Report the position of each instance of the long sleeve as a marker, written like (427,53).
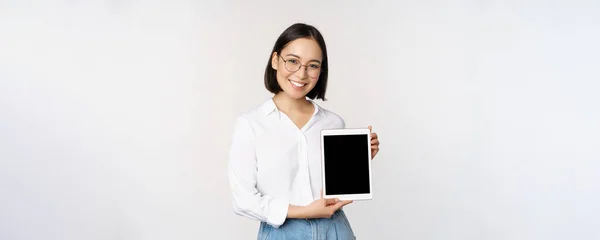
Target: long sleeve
(247,201)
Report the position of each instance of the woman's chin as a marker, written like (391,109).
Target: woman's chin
(294,94)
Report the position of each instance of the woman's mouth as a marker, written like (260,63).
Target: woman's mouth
(297,85)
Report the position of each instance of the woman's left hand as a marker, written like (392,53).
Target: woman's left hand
(374,143)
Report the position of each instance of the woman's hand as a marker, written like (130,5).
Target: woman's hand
(324,208)
(320,208)
(374,143)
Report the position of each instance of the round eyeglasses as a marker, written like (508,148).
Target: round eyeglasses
(312,69)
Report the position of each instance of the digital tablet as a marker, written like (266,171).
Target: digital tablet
(346,163)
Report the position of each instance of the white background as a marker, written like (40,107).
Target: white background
(116,116)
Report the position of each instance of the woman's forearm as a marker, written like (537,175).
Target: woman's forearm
(296,212)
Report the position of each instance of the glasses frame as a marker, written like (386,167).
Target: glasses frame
(305,67)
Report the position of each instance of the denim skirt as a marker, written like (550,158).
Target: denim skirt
(335,228)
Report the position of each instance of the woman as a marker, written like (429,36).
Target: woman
(274,161)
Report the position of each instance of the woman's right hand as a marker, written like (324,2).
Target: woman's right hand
(320,208)
(324,208)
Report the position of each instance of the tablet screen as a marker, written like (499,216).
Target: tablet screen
(346,160)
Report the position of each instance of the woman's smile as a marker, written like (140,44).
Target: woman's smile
(297,85)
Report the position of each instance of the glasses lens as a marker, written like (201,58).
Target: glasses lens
(292,65)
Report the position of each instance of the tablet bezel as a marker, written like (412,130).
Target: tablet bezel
(346,131)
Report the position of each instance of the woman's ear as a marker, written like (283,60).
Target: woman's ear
(274,61)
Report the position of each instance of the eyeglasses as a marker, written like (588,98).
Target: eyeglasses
(312,69)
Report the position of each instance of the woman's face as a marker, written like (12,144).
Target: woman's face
(298,67)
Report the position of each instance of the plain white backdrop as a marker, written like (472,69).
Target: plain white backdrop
(116,116)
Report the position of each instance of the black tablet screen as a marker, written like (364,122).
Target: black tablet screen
(346,164)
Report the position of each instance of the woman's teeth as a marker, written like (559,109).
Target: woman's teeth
(297,84)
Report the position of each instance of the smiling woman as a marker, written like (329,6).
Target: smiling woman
(274,162)
(302,50)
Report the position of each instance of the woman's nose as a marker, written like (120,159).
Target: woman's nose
(302,72)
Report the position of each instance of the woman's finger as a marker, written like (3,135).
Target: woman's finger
(374,147)
(375,141)
(330,201)
(342,203)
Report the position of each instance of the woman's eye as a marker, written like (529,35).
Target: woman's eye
(294,61)
(314,66)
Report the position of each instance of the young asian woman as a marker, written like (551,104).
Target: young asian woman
(274,159)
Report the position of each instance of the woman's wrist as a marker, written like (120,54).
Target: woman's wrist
(296,212)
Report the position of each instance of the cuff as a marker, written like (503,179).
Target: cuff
(277,212)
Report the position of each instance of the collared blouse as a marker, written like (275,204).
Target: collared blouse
(273,163)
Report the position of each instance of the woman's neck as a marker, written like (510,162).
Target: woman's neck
(289,105)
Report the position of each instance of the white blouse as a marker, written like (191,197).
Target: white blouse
(273,164)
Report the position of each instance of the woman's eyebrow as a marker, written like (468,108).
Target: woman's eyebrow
(294,55)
